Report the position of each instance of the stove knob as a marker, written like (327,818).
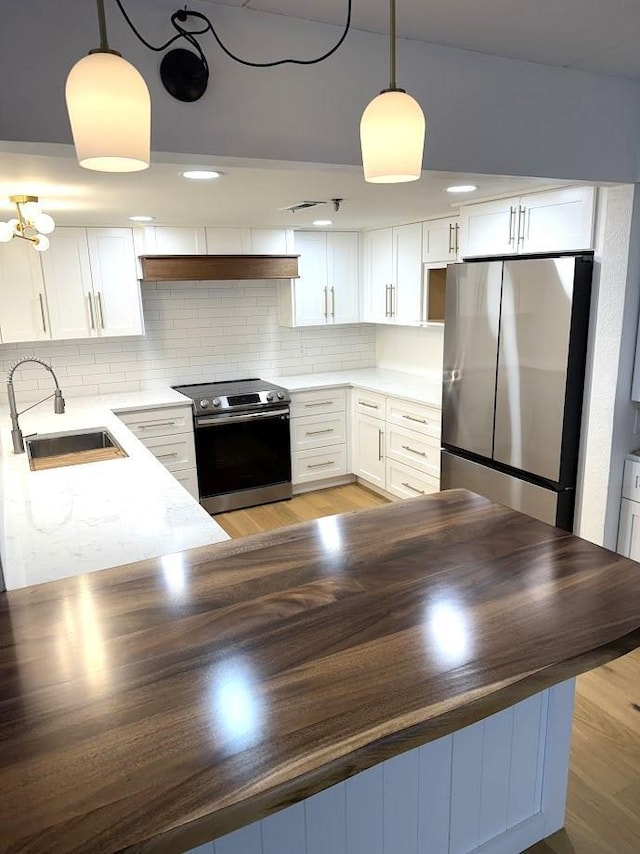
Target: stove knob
(280,396)
(270,396)
(216,402)
(204,404)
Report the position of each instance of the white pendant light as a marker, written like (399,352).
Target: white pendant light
(392,128)
(109,109)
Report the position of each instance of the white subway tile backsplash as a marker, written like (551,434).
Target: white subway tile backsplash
(195,332)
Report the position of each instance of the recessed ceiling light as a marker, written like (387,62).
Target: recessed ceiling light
(201,174)
(462,188)
(323,222)
(142,218)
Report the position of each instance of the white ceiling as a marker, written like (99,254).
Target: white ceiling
(249,193)
(590,35)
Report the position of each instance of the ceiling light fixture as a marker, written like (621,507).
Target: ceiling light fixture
(142,218)
(109,109)
(323,222)
(392,128)
(462,188)
(31,224)
(200,174)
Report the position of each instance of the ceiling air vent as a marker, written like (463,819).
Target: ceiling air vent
(301,206)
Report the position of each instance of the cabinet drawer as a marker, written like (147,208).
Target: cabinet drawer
(414,416)
(318,401)
(406,482)
(174,452)
(631,480)
(148,423)
(189,479)
(368,403)
(413,449)
(318,431)
(320,463)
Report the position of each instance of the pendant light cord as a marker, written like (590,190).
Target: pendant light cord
(392,44)
(183,15)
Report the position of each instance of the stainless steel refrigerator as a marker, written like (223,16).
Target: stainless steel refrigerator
(515,343)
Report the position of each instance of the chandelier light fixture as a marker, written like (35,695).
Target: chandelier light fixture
(109,109)
(392,128)
(31,223)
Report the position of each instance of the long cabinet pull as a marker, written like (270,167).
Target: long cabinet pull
(333,303)
(522,225)
(155,424)
(386,300)
(413,451)
(414,489)
(321,465)
(456,248)
(418,420)
(91,314)
(380,436)
(100,311)
(166,456)
(319,403)
(393,300)
(326,309)
(512,225)
(368,405)
(42,314)
(318,432)
(450,238)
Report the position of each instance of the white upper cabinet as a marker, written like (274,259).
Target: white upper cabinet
(271,241)
(68,284)
(23,307)
(393,278)
(440,240)
(327,290)
(118,307)
(227,241)
(169,240)
(553,221)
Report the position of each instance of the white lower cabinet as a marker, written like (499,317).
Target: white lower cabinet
(168,433)
(369,449)
(413,449)
(406,482)
(629,528)
(318,435)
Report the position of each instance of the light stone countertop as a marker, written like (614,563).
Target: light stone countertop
(75,519)
(424,389)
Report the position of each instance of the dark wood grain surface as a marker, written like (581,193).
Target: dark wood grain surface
(171,268)
(155,706)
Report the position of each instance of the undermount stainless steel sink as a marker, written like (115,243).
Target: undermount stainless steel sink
(65,449)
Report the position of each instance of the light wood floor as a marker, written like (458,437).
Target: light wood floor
(603,810)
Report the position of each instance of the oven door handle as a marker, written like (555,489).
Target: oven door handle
(221,420)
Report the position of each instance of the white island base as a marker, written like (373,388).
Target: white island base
(495,787)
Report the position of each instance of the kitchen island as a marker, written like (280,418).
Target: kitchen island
(397,680)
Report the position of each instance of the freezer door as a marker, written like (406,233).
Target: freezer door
(458,473)
(535,325)
(472,315)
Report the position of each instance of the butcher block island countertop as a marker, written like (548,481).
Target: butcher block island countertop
(156,706)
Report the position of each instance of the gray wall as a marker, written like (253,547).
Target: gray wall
(484,113)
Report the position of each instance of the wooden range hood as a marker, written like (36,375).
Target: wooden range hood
(189,268)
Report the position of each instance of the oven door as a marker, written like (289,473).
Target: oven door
(243,459)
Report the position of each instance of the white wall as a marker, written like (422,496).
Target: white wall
(485,114)
(196,332)
(405,348)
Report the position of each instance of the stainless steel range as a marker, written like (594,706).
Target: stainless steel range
(243,446)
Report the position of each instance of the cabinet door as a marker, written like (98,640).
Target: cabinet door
(227,241)
(115,285)
(369,450)
(342,276)
(440,239)
(23,307)
(178,241)
(67,280)
(271,241)
(311,291)
(557,221)
(378,275)
(489,228)
(629,530)
(406,295)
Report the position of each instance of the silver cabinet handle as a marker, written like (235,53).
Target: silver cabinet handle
(326,309)
(386,300)
(100,311)
(321,465)
(413,451)
(413,489)
(333,303)
(91,314)
(417,420)
(393,300)
(166,456)
(320,403)
(368,405)
(450,238)
(512,224)
(42,314)
(521,225)
(318,432)
(150,424)
(456,247)
(380,437)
